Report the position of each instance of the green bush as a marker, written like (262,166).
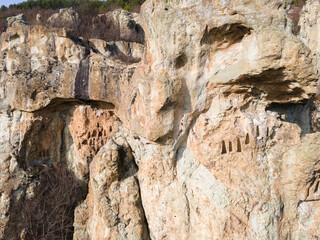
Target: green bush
(298,2)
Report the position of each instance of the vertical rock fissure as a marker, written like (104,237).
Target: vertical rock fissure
(81,88)
(61,147)
(144,213)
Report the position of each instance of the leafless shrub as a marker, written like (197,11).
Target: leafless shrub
(136,9)
(92,25)
(45,14)
(30,15)
(50,213)
(294,14)
(104,28)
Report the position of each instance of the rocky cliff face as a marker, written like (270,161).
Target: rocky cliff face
(205,128)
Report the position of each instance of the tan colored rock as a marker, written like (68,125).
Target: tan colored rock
(90,129)
(122,51)
(212,121)
(113,208)
(241,52)
(44,140)
(309,23)
(59,68)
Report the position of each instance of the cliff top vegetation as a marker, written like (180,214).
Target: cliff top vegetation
(87,9)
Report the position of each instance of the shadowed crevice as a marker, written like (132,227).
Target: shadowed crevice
(144,213)
(227,33)
(299,114)
(81,88)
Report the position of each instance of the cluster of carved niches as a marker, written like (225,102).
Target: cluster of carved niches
(239,144)
(43,154)
(95,139)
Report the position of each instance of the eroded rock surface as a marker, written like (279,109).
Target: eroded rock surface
(113,207)
(203,124)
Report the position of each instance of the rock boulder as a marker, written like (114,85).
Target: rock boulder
(118,25)
(67,17)
(16,21)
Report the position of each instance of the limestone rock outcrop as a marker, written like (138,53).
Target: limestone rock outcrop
(113,207)
(16,20)
(66,17)
(309,23)
(200,122)
(122,24)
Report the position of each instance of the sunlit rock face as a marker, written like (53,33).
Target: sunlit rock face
(200,123)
